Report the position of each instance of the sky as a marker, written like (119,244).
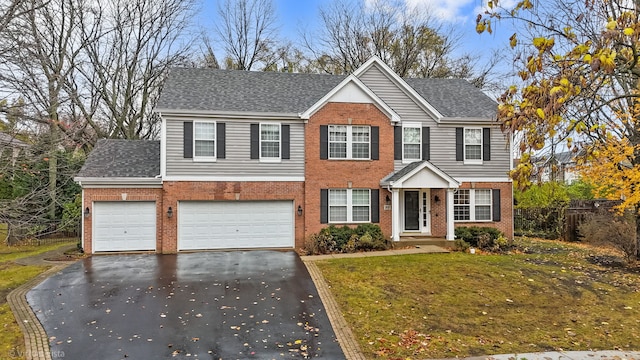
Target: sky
(295,16)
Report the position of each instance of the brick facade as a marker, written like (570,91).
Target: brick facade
(175,191)
(506,206)
(91,195)
(339,174)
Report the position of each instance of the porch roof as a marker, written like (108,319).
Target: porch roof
(419,174)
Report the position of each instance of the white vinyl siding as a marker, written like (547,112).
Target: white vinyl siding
(270,143)
(442,137)
(204,140)
(237,162)
(349,142)
(472,205)
(349,205)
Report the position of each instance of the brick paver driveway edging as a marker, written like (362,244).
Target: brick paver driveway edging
(35,338)
(343,332)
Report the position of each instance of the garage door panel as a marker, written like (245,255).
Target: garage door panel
(242,224)
(124,226)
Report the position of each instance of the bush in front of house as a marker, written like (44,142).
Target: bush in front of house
(485,238)
(333,239)
(611,228)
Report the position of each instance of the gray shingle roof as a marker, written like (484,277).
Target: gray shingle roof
(455,97)
(402,172)
(122,159)
(244,91)
(274,92)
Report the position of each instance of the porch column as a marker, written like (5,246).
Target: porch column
(395,214)
(450,227)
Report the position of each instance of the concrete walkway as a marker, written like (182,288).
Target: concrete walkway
(35,338)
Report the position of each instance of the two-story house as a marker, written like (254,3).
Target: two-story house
(265,159)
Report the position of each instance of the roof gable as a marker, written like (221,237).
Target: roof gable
(420,174)
(352,90)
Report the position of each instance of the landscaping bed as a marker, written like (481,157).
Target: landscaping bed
(542,296)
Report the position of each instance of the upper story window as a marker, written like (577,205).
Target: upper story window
(349,205)
(412,143)
(204,140)
(270,141)
(349,142)
(472,144)
(472,205)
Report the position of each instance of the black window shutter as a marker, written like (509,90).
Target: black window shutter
(375,143)
(397,143)
(375,206)
(286,141)
(426,143)
(486,144)
(324,206)
(188,139)
(255,141)
(496,204)
(459,144)
(324,142)
(220,138)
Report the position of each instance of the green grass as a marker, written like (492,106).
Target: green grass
(13,275)
(447,305)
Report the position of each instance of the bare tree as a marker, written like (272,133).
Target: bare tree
(117,86)
(411,41)
(246,28)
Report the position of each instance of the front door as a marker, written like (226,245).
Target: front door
(412,210)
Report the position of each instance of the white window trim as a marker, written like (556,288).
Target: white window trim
(213,158)
(349,208)
(349,143)
(411,125)
(270,159)
(472,206)
(464,146)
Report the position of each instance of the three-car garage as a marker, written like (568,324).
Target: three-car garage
(201,225)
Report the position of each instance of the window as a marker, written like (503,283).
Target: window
(349,205)
(411,143)
(349,142)
(204,138)
(472,145)
(472,205)
(270,141)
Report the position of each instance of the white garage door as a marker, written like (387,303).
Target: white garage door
(124,226)
(235,224)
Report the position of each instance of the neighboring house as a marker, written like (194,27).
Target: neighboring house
(560,166)
(265,159)
(12,146)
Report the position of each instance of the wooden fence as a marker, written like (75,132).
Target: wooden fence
(557,222)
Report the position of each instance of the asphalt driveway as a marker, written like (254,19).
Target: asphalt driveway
(209,305)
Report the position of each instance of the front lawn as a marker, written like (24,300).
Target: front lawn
(13,275)
(547,296)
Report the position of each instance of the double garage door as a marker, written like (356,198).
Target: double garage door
(235,224)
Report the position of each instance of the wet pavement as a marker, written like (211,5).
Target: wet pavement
(208,305)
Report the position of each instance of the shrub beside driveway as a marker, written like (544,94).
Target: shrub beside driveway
(13,275)
(544,296)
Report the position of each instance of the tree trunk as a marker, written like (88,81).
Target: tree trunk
(54,133)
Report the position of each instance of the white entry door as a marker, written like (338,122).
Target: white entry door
(235,224)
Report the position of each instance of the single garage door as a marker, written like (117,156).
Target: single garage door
(235,224)
(124,226)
